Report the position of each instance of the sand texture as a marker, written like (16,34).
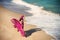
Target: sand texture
(8,32)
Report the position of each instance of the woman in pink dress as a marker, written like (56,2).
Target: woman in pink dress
(19,24)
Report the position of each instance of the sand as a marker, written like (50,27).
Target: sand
(8,32)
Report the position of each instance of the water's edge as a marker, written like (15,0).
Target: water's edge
(45,20)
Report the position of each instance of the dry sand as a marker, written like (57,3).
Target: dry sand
(8,32)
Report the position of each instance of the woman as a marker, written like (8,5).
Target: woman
(19,24)
(8,32)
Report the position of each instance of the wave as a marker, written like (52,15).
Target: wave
(45,20)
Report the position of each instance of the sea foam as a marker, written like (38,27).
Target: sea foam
(46,20)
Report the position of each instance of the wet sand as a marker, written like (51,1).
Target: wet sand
(8,32)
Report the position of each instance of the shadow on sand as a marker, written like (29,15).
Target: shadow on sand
(29,32)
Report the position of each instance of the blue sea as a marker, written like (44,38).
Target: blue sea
(50,5)
(49,23)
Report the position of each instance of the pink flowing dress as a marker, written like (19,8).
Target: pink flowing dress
(19,25)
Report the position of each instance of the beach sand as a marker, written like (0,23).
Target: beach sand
(8,32)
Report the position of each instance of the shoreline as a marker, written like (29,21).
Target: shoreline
(38,14)
(8,32)
(33,6)
(38,11)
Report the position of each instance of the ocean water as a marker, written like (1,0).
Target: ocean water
(50,5)
(47,21)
